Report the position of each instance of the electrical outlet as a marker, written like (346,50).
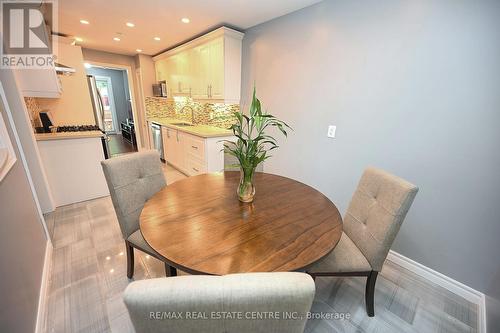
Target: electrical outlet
(331,131)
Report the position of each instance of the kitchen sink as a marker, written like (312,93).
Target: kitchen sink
(182,124)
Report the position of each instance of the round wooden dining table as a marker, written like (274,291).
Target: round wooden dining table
(199,226)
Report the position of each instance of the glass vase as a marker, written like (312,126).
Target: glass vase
(246,188)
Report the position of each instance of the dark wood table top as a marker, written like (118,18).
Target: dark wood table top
(199,226)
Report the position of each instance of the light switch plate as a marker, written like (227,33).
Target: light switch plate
(331,131)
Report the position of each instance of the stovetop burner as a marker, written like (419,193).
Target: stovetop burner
(78,128)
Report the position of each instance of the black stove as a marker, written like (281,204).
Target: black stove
(78,128)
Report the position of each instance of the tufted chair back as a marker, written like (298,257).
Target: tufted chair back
(246,297)
(132,179)
(376,212)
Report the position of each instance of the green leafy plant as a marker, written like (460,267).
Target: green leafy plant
(253,144)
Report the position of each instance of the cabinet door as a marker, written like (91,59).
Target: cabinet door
(173,74)
(166,149)
(169,147)
(183,63)
(180,158)
(216,73)
(202,58)
(39,83)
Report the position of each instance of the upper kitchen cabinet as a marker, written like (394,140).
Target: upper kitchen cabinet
(39,83)
(207,68)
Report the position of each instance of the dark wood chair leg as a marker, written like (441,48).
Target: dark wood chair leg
(130,260)
(370,293)
(170,271)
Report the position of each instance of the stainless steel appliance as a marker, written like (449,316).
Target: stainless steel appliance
(128,131)
(157,140)
(160,89)
(98,107)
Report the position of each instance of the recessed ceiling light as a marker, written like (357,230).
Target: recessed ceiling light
(116,39)
(84,22)
(130,24)
(87,65)
(139,50)
(79,39)
(185,20)
(156,38)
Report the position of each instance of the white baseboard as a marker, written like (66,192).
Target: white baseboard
(43,298)
(446,282)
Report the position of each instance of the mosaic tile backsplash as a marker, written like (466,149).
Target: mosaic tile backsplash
(186,109)
(33,111)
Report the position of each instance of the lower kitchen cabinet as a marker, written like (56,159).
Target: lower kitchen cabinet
(191,154)
(172,147)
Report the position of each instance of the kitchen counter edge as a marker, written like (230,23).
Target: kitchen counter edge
(68,135)
(203,131)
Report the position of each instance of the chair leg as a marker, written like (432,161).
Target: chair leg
(170,271)
(130,260)
(370,293)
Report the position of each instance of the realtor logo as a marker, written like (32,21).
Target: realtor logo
(26,28)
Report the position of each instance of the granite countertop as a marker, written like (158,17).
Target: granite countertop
(204,131)
(67,135)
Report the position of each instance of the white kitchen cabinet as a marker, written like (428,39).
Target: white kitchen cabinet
(39,83)
(207,68)
(200,76)
(191,154)
(161,70)
(172,147)
(73,168)
(216,69)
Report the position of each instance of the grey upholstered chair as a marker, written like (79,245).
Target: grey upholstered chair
(372,221)
(211,298)
(133,179)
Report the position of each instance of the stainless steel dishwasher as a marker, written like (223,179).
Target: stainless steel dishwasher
(157,140)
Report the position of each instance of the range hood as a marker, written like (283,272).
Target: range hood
(64,70)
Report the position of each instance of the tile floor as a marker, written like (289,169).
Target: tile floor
(88,276)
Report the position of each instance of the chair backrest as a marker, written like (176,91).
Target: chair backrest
(257,302)
(376,212)
(132,179)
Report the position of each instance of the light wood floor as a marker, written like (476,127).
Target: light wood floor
(88,276)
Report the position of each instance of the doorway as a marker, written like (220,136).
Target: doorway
(105,87)
(118,119)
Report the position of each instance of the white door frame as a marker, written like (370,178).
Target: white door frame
(142,107)
(112,103)
(137,120)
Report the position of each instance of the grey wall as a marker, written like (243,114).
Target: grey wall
(413,88)
(121,93)
(22,241)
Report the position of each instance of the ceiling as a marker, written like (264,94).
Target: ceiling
(161,18)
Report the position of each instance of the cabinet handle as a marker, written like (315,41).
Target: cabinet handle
(194,147)
(196,170)
(208,91)
(177,136)
(168,134)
